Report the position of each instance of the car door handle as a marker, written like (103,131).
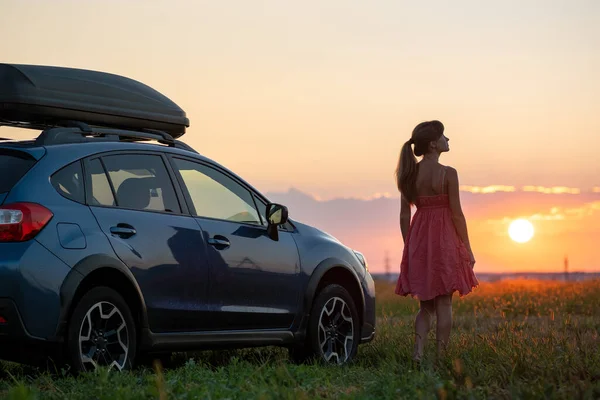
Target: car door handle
(123,231)
(219,241)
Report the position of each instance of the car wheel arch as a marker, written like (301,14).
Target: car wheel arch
(100,270)
(335,271)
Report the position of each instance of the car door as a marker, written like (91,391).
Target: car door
(135,203)
(253,279)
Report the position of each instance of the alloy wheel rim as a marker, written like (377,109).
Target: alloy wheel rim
(103,337)
(336,331)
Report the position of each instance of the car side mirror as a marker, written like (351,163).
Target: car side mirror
(276,215)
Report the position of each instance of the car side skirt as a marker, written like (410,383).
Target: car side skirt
(215,339)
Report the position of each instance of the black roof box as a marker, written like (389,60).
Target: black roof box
(46,95)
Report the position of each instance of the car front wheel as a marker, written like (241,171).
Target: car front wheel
(334,326)
(101,332)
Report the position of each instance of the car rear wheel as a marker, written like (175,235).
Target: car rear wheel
(101,332)
(333,330)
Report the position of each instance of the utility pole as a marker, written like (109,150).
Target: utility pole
(387,266)
(566,263)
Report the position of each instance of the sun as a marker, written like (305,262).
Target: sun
(520,230)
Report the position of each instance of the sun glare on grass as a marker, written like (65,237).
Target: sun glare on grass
(520,230)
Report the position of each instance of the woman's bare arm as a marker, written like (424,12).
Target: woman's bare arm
(404,217)
(457,214)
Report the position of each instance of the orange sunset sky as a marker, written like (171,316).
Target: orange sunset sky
(310,102)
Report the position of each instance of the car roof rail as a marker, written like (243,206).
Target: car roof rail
(184,146)
(80,132)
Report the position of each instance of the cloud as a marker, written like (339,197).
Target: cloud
(487,189)
(374,196)
(384,195)
(311,197)
(559,214)
(551,190)
(562,222)
(585,210)
(528,188)
(490,189)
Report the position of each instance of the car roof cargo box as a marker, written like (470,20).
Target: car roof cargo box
(49,96)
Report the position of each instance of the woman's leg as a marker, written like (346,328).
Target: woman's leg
(422,327)
(443,309)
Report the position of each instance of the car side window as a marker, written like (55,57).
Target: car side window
(68,181)
(262,210)
(99,192)
(215,195)
(141,182)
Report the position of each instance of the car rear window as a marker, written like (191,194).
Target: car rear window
(13,166)
(68,181)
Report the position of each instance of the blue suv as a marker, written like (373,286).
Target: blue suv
(118,240)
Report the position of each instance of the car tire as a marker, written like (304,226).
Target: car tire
(101,332)
(333,329)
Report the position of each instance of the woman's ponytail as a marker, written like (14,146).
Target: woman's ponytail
(406,172)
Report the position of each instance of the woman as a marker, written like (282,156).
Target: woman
(437,258)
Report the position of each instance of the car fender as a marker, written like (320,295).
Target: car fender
(319,272)
(83,269)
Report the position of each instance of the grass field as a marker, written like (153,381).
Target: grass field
(518,339)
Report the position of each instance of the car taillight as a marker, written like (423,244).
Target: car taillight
(22,221)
